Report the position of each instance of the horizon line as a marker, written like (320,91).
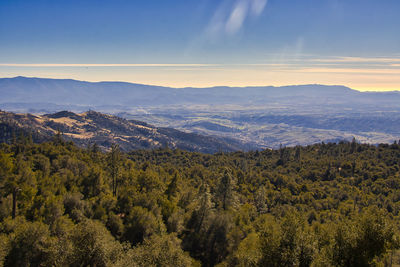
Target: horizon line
(198,87)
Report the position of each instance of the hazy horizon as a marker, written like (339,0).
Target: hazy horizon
(211,86)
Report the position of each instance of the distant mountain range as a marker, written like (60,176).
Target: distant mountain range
(94,127)
(261,116)
(40,94)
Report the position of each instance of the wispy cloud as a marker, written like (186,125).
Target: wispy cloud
(293,60)
(229,18)
(363,73)
(100,65)
(351,70)
(236,18)
(359,59)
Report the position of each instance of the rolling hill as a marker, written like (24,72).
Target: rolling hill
(104,130)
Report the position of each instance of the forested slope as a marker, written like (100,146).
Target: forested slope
(320,205)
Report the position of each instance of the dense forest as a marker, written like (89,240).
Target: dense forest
(319,205)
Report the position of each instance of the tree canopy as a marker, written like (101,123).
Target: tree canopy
(319,205)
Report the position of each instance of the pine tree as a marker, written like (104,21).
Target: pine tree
(114,163)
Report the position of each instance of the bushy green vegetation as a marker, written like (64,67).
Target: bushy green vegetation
(320,205)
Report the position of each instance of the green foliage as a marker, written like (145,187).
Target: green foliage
(248,253)
(358,243)
(161,250)
(141,224)
(288,243)
(93,245)
(320,205)
(30,244)
(4,248)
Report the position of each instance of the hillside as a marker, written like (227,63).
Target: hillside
(104,130)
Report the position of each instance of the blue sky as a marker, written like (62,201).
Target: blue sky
(204,42)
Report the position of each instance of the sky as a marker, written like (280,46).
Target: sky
(201,43)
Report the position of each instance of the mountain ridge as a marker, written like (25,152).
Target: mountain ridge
(93,127)
(34,90)
(185,87)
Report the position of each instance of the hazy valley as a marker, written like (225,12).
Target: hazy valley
(259,117)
